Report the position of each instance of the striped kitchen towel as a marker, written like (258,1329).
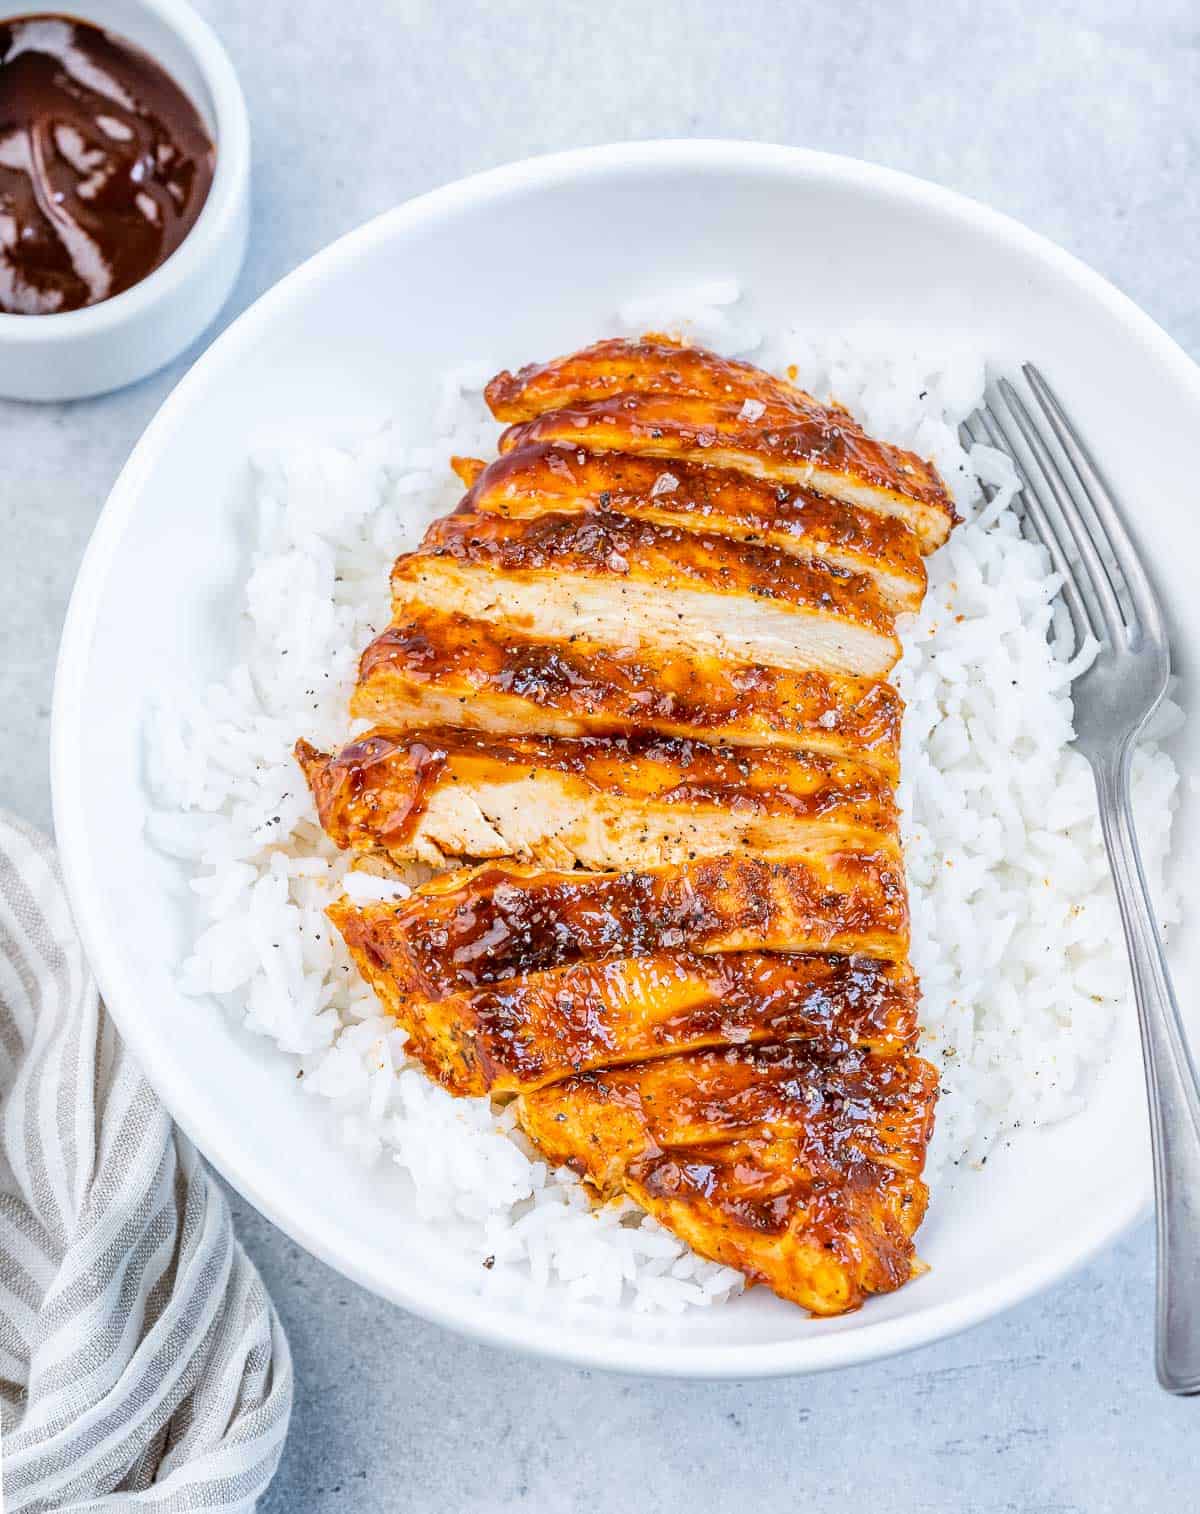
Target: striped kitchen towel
(142,1365)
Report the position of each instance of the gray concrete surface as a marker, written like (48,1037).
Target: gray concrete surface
(1081,119)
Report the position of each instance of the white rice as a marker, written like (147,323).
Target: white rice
(1015,932)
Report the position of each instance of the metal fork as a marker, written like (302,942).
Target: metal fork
(1067,506)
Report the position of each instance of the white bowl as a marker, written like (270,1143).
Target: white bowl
(102,347)
(524,262)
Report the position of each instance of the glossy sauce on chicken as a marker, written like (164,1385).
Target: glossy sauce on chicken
(609,543)
(542,479)
(605,801)
(658,391)
(429,666)
(637,682)
(795,1163)
(525,1030)
(503,920)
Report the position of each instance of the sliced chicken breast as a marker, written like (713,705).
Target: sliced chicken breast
(775,447)
(653,364)
(433,669)
(527,1031)
(549,479)
(502,920)
(626,582)
(607,542)
(640,670)
(794,1163)
(597,802)
(658,399)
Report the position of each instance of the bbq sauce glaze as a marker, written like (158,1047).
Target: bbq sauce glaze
(105,165)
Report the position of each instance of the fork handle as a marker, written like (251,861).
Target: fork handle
(1172,1086)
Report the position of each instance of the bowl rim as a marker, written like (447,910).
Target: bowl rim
(245,1167)
(218,216)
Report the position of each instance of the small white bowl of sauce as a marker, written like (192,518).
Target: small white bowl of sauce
(124,192)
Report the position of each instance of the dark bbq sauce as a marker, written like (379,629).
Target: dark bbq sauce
(583,679)
(378,787)
(520,482)
(105,165)
(494,926)
(605,542)
(354,780)
(523,1027)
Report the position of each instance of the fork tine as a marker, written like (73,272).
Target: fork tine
(973,433)
(1067,510)
(1042,530)
(1104,506)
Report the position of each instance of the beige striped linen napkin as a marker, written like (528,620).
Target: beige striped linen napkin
(142,1365)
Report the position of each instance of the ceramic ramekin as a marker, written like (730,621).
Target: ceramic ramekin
(102,347)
